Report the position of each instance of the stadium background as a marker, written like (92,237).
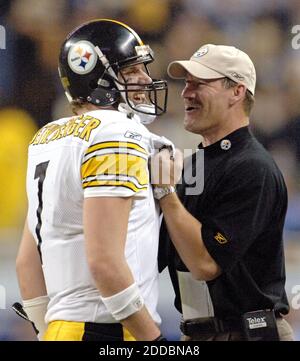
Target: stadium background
(31,95)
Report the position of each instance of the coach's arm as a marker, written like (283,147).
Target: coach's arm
(183,228)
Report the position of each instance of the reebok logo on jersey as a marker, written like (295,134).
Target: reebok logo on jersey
(133,135)
(220,238)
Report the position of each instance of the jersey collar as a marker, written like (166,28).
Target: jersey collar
(228,142)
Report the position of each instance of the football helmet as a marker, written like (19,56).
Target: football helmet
(90,62)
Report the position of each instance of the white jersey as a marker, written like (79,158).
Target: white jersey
(101,153)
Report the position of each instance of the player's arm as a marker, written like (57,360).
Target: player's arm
(31,281)
(105,227)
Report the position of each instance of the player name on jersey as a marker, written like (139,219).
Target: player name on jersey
(81,127)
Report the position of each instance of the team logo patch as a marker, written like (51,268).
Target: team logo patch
(82,57)
(225,144)
(200,52)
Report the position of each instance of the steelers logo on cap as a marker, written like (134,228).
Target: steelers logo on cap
(200,52)
(225,144)
(82,57)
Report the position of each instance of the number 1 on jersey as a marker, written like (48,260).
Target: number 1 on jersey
(40,174)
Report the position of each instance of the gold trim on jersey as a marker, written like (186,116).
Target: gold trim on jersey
(113,183)
(116,164)
(114,144)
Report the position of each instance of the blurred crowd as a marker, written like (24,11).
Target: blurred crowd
(31,94)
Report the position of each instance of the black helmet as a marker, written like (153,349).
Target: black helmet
(91,58)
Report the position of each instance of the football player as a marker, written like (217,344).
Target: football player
(87,263)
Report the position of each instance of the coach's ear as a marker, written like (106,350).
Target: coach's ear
(238,93)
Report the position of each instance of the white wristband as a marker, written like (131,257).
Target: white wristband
(125,303)
(36,309)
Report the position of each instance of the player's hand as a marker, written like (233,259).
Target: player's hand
(166,169)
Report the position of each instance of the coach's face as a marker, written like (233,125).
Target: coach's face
(206,104)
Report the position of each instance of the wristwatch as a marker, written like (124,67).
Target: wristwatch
(160,192)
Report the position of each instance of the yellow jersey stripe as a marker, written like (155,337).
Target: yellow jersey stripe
(105,145)
(116,164)
(110,183)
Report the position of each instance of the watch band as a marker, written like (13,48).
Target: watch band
(160,192)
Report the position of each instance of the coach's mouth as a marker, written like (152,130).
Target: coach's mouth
(192,108)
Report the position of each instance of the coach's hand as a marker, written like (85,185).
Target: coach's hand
(166,169)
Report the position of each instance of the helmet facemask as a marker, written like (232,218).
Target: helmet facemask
(153,96)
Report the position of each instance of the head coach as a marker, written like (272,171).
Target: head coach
(223,245)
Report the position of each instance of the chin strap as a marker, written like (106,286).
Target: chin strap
(144,118)
(141,109)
